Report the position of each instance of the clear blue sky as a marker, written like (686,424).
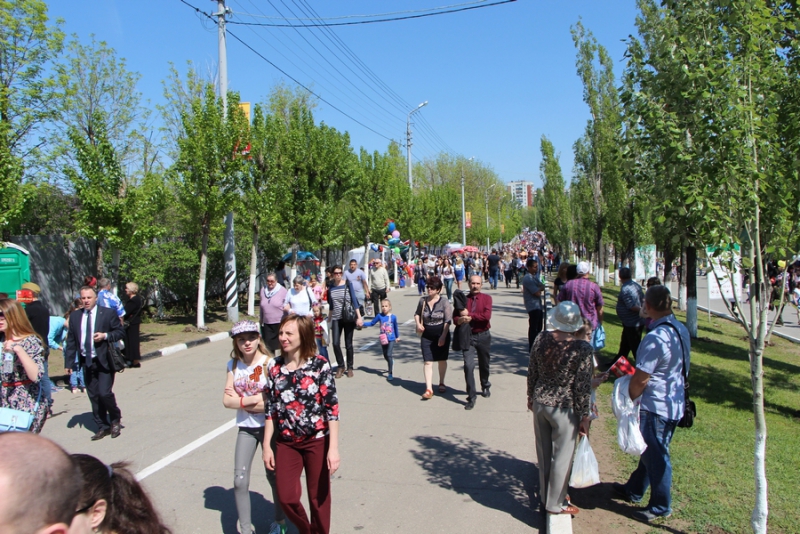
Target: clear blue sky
(496,79)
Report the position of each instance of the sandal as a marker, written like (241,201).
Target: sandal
(442,388)
(571,510)
(427,395)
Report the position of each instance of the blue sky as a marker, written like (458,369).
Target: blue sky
(496,79)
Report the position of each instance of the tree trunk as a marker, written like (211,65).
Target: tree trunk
(601,252)
(99,264)
(682,282)
(691,291)
(201,283)
(251,288)
(669,258)
(115,271)
(616,267)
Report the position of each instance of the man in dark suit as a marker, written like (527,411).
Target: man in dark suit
(90,329)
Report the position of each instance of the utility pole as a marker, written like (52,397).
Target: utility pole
(488,245)
(463,212)
(408,143)
(229,246)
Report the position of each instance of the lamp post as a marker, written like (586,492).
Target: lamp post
(488,245)
(408,142)
(463,209)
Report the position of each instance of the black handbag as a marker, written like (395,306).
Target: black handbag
(690,409)
(348,311)
(116,360)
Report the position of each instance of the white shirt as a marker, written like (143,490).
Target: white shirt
(300,302)
(93,314)
(248,381)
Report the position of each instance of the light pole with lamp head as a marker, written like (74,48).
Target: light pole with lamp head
(408,142)
(488,245)
(463,208)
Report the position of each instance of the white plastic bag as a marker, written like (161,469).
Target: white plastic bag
(629,437)
(585,472)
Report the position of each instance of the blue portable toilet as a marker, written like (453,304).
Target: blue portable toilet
(15,268)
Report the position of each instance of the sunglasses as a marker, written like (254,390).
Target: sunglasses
(83,510)
(2,315)
(337,272)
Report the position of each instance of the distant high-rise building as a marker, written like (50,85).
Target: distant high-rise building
(522,191)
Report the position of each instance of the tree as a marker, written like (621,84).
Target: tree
(206,171)
(603,137)
(710,85)
(27,95)
(555,205)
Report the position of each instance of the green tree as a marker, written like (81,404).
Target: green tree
(555,205)
(207,169)
(28,45)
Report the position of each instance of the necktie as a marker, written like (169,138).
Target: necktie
(87,342)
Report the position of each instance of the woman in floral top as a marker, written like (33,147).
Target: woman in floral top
(303,410)
(25,353)
(559,388)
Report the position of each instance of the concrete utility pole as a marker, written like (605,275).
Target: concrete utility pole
(408,142)
(488,245)
(463,208)
(229,246)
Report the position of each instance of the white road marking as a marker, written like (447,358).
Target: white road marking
(408,322)
(183,451)
(367,346)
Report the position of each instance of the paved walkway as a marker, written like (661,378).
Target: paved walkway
(407,465)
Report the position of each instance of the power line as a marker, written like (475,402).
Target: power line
(264,16)
(256,52)
(318,25)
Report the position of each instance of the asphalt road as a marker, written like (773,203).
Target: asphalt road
(407,465)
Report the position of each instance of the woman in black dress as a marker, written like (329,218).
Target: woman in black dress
(433,317)
(133,319)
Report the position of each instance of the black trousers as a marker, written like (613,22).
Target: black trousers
(377,296)
(99,383)
(336,340)
(631,337)
(535,324)
(269,333)
(479,346)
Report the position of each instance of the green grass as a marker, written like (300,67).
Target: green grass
(713,485)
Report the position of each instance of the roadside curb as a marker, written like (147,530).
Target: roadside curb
(63,380)
(723,315)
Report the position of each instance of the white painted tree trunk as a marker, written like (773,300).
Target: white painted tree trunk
(691,316)
(251,289)
(115,271)
(201,284)
(616,278)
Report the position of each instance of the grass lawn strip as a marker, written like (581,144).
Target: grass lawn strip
(713,486)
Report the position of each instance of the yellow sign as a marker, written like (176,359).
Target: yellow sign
(502,228)
(468,219)
(245,106)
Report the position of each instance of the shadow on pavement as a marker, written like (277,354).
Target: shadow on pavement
(222,500)
(490,477)
(418,388)
(83,420)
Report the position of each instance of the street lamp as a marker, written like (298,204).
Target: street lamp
(408,142)
(488,246)
(463,208)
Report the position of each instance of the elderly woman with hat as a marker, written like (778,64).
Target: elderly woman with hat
(559,391)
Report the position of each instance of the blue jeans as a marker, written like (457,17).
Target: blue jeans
(76,379)
(323,351)
(494,274)
(655,468)
(387,355)
(448,285)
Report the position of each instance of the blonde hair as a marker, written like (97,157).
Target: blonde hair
(237,356)
(133,286)
(17,323)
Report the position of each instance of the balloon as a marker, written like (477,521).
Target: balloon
(391,226)
(375,248)
(393,242)
(396,250)
(396,234)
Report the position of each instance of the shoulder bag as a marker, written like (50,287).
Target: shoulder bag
(116,361)
(17,420)
(689,410)
(348,312)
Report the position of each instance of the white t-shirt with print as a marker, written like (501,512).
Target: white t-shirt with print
(248,381)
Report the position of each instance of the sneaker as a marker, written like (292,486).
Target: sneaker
(646,516)
(390,377)
(277,528)
(470,404)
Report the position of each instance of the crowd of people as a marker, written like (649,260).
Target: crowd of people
(282,383)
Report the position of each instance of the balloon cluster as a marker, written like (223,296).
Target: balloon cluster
(391,239)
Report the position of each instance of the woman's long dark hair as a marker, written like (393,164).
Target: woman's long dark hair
(129,509)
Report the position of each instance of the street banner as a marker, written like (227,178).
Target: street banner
(714,290)
(468,219)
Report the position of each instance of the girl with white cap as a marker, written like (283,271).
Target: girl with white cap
(247,377)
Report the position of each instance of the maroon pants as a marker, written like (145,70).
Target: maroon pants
(290,460)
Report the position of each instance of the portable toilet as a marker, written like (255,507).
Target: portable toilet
(15,268)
